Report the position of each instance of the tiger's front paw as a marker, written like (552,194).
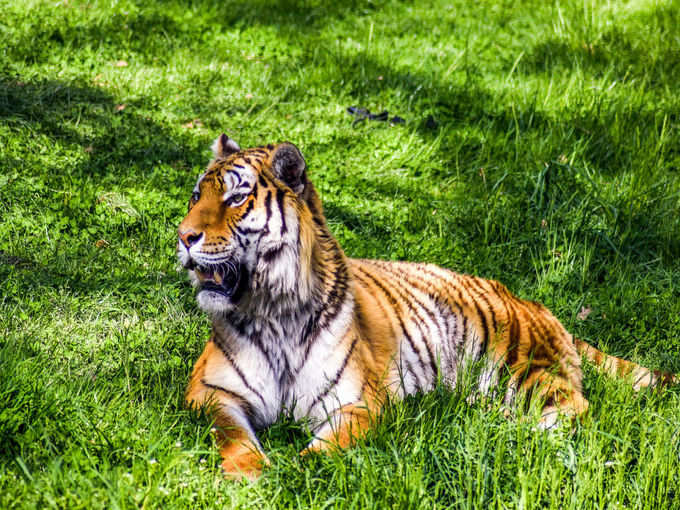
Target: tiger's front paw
(237,475)
(247,466)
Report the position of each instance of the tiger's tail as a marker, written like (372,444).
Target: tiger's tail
(642,377)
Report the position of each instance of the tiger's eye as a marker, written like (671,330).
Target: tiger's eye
(236,198)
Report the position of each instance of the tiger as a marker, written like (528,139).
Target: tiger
(299,328)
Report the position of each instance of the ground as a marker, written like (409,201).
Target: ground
(541,147)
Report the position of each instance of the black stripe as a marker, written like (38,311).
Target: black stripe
(262,180)
(238,176)
(244,185)
(337,377)
(448,340)
(482,295)
(279,200)
(455,327)
(268,205)
(485,324)
(416,379)
(458,278)
(483,321)
(414,281)
(514,333)
(254,192)
(395,305)
(257,342)
(279,372)
(409,367)
(532,338)
(364,384)
(247,230)
(298,239)
(270,255)
(336,297)
(452,302)
(238,371)
(248,408)
(328,311)
(333,300)
(465,332)
(239,322)
(511,353)
(545,333)
(249,208)
(236,165)
(409,298)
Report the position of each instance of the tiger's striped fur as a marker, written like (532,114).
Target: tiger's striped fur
(299,327)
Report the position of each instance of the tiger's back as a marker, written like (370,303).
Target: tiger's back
(440,322)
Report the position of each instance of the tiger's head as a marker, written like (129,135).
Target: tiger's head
(248,229)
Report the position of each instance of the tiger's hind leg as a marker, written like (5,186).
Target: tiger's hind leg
(560,400)
(547,367)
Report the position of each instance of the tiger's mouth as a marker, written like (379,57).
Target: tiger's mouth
(227,279)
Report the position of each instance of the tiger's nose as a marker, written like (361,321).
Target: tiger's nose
(189,237)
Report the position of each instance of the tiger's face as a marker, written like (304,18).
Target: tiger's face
(242,230)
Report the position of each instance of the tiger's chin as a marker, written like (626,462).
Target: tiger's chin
(214,303)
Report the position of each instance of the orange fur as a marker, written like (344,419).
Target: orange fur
(409,323)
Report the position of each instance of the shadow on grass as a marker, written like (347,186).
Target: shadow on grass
(124,145)
(114,136)
(623,56)
(148,31)
(298,23)
(643,226)
(115,147)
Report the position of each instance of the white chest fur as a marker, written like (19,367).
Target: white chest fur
(280,367)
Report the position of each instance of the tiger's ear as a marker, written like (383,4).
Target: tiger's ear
(289,166)
(223,146)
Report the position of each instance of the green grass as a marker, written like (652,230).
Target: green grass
(541,148)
